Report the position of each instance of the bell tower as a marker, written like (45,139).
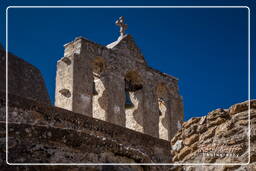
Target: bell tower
(114,83)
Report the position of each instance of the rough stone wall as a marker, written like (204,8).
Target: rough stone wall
(23,78)
(219,137)
(104,70)
(39,133)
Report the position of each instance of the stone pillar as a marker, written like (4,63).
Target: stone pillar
(74,79)
(116,101)
(151,112)
(83,79)
(108,103)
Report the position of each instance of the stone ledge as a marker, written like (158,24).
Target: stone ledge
(25,142)
(240,107)
(25,111)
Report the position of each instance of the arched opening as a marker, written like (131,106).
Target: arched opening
(164,111)
(99,100)
(98,65)
(133,101)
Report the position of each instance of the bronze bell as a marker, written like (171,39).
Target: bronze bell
(128,102)
(94,89)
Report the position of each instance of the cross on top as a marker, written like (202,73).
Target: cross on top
(122,25)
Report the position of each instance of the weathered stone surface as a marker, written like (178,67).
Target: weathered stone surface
(217,121)
(220,137)
(177,146)
(218,113)
(41,133)
(190,122)
(183,152)
(190,140)
(39,144)
(24,79)
(190,131)
(240,107)
(210,133)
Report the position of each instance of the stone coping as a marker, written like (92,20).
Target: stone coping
(26,111)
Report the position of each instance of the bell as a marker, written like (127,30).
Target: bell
(160,113)
(128,102)
(94,89)
(130,86)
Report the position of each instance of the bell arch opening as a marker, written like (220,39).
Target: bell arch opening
(163,101)
(134,101)
(99,100)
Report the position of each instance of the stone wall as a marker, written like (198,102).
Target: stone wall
(96,81)
(23,78)
(39,133)
(219,137)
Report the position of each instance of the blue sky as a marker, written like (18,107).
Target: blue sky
(207,49)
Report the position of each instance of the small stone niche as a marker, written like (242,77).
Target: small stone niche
(65,92)
(66,60)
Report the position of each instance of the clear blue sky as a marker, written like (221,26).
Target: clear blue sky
(205,48)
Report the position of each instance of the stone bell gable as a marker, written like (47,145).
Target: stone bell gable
(113,83)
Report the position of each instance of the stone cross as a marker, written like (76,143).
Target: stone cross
(122,25)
